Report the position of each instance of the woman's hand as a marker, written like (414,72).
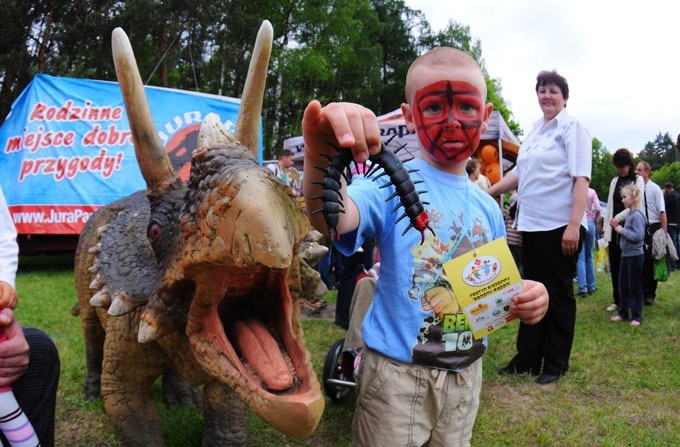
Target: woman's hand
(570,240)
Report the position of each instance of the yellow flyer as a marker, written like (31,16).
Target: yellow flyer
(484,282)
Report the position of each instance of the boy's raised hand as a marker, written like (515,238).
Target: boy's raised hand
(531,305)
(345,124)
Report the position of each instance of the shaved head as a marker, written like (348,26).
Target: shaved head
(447,63)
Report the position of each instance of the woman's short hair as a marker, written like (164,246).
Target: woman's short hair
(622,157)
(552,77)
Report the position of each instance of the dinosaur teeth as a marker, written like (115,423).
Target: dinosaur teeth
(94,268)
(101,298)
(147,332)
(154,322)
(121,304)
(97,282)
(95,248)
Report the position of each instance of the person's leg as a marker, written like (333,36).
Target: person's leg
(558,271)
(459,403)
(581,271)
(615,266)
(624,287)
(393,407)
(36,389)
(673,232)
(346,281)
(635,287)
(324,269)
(648,282)
(529,337)
(361,300)
(589,261)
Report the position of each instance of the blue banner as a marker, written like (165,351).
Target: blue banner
(66,147)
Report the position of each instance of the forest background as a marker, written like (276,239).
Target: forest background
(331,50)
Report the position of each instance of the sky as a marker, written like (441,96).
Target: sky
(620,59)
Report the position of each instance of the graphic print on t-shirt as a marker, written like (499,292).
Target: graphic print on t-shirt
(445,339)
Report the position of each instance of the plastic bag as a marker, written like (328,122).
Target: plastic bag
(660,269)
(602,262)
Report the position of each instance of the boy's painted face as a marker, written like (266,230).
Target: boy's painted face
(448,117)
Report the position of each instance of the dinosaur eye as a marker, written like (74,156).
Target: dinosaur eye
(154,231)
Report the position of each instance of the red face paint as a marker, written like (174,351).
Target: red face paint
(449,117)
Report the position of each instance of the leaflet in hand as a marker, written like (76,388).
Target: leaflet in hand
(485,281)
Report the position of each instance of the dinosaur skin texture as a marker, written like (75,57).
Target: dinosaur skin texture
(203,279)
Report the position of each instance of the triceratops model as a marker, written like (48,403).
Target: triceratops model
(203,279)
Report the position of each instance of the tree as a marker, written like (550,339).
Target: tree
(331,50)
(603,170)
(668,173)
(661,151)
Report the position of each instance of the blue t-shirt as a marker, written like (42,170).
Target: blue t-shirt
(396,323)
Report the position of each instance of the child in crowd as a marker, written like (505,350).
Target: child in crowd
(632,257)
(421,371)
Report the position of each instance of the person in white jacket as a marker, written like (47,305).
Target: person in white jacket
(625,170)
(29,361)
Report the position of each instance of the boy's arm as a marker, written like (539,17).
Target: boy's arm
(345,125)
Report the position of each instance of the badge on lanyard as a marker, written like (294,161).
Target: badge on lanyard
(484,281)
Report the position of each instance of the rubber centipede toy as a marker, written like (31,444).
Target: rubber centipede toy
(389,164)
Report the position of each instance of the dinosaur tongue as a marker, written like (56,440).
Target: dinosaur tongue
(255,343)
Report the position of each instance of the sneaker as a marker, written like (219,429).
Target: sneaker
(581,294)
(635,323)
(612,307)
(593,290)
(617,318)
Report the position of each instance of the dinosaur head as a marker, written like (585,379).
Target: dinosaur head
(231,278)
(242,236)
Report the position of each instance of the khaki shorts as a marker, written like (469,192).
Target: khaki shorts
(401,404)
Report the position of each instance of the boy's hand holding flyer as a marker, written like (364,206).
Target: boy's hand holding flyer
(485,280)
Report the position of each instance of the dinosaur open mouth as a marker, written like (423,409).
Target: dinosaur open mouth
(258,328)
(242,319)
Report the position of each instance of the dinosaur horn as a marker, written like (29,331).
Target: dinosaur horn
(151,157)
(248,122)
(212,133)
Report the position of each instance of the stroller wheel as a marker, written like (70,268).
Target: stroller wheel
(336,384)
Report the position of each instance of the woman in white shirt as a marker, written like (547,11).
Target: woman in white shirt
(552,176)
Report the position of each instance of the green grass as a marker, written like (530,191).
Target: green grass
(623,388)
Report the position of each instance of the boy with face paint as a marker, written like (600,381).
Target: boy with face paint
(421,372)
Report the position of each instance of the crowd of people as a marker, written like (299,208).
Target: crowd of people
(551,225)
